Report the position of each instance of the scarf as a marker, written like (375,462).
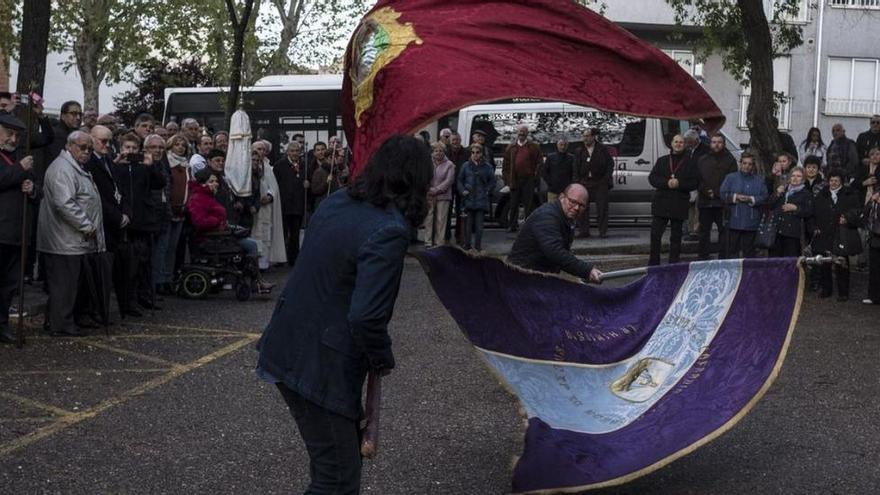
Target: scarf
(834,194)
(792,190)
(175,160)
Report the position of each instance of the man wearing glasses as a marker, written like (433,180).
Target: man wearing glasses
(71,120)
(544,242)
(70,226)
(869,140)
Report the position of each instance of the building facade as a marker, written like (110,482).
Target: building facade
(834,76)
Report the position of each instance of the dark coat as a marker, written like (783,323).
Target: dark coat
(865,142)
(863,172)
(713,167)
(842,154)
(508,166)
(162,196)
(792,224)
(137,182)
(673,203)
(827,231)
(330,325)
(544,243)
(291,186)
(593,170)
(111,199)
(475,184)
(558,171)
(11,178)
(60,131)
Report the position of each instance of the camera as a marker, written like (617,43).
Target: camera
(134,158)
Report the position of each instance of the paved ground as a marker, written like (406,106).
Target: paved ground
(171,405)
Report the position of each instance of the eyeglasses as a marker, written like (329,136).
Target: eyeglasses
(84,147)
(103,141)
(875,122)
(575,202)
(73,113)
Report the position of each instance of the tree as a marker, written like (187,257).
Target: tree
(240,23)
(106,37)
(747,41)
(34,46)
(148,95)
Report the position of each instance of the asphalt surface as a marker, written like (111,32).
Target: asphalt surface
(171,405)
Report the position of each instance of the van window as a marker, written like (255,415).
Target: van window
(623,133)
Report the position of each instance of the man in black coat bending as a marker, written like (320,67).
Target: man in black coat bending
(674,176)
(544,242)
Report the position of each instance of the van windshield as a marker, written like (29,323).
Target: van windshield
(624,134)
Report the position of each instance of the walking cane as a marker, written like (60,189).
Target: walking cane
(19,338)
(631,272)
(370,441)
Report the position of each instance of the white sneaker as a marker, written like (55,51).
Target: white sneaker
(867,301)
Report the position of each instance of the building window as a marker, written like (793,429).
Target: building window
(781,76)
(801,17)
(687,61)
(856,4)
(853,87)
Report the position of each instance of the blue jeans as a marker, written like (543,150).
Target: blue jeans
(333,443)
(474,227)
(250,247)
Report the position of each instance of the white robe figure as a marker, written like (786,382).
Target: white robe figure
(238,157)
(268,228)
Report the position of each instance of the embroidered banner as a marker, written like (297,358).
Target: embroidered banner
(618,382)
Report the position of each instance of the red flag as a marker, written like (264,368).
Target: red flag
(410,62)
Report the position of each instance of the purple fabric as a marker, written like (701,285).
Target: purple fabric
(534,313)
(490,302)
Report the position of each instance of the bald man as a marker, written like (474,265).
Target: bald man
(544,242)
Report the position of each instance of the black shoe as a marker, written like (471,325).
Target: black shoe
(842,298)
(83,323)
(79,332)
(133,312)
(6,336)
(149,305)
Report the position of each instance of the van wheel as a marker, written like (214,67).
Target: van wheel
(194,285)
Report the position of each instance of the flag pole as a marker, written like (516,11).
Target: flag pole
(19,338)
(631,272)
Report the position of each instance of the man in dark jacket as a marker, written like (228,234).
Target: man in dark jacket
(593,163)
(837,210)
(869,139)
(330,326)
(16,178)
(842,152)
(71,120)
(674,176)
(290,173)
(458,155)
(138,176)
(520,168)
(558,170)
(713,167)
(544,243)
(115,218)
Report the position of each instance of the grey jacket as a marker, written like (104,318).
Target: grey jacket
(71,210)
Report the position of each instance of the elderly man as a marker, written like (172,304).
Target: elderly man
(558,170)
(290,172)
(674,176)
(522,158)
(444,136)
(744,193)
(70,227)
(842,152)
(544,243)
(593,164)
(172,128)
(16,178)
(869,140)
(191,131)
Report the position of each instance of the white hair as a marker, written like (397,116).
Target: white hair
(74,136)
(152,137)
(187,121)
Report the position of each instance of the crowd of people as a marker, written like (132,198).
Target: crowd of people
(125,203)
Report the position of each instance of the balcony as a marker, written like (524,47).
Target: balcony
(783,113)
(845,106)
(856,4)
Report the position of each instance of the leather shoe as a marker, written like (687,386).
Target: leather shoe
(83,323)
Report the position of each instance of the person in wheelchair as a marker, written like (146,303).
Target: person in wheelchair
(208,218)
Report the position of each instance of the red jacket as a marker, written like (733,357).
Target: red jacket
(205,213)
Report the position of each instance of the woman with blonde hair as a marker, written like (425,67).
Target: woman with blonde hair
(439,196)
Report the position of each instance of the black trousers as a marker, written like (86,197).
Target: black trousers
(140,286)
(786,247)
(740,243)
(598,194)
(63,279)
(842,273)
(874,274)
(709,216)
(333,443)
(522,195)
(658,226)
(10,264)
(292,226)
(124,272)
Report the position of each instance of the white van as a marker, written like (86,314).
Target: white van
(634,142)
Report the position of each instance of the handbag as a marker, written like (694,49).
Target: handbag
(765,237)
(847,242)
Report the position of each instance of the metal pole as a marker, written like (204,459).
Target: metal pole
(630,272)
(19,338)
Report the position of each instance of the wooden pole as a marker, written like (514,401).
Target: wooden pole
(19,338)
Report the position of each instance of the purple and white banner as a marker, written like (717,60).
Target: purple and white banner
(618,382)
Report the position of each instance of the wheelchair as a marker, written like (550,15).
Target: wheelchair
(217,259)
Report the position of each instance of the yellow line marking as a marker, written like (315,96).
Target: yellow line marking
(251,332)
(94,343)
(27,420)
(73,418)
(86,371)
(158,336)
(35,404)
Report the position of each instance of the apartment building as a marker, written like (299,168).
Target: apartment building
(834,76)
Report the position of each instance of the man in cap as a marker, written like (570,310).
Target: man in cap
(16,178)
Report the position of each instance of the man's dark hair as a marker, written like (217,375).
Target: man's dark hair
(295,136)
(65,107)
(399,174)
(319,143)
(836,172)
(131,138)
(144,117)
(813,160)
(214,153)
